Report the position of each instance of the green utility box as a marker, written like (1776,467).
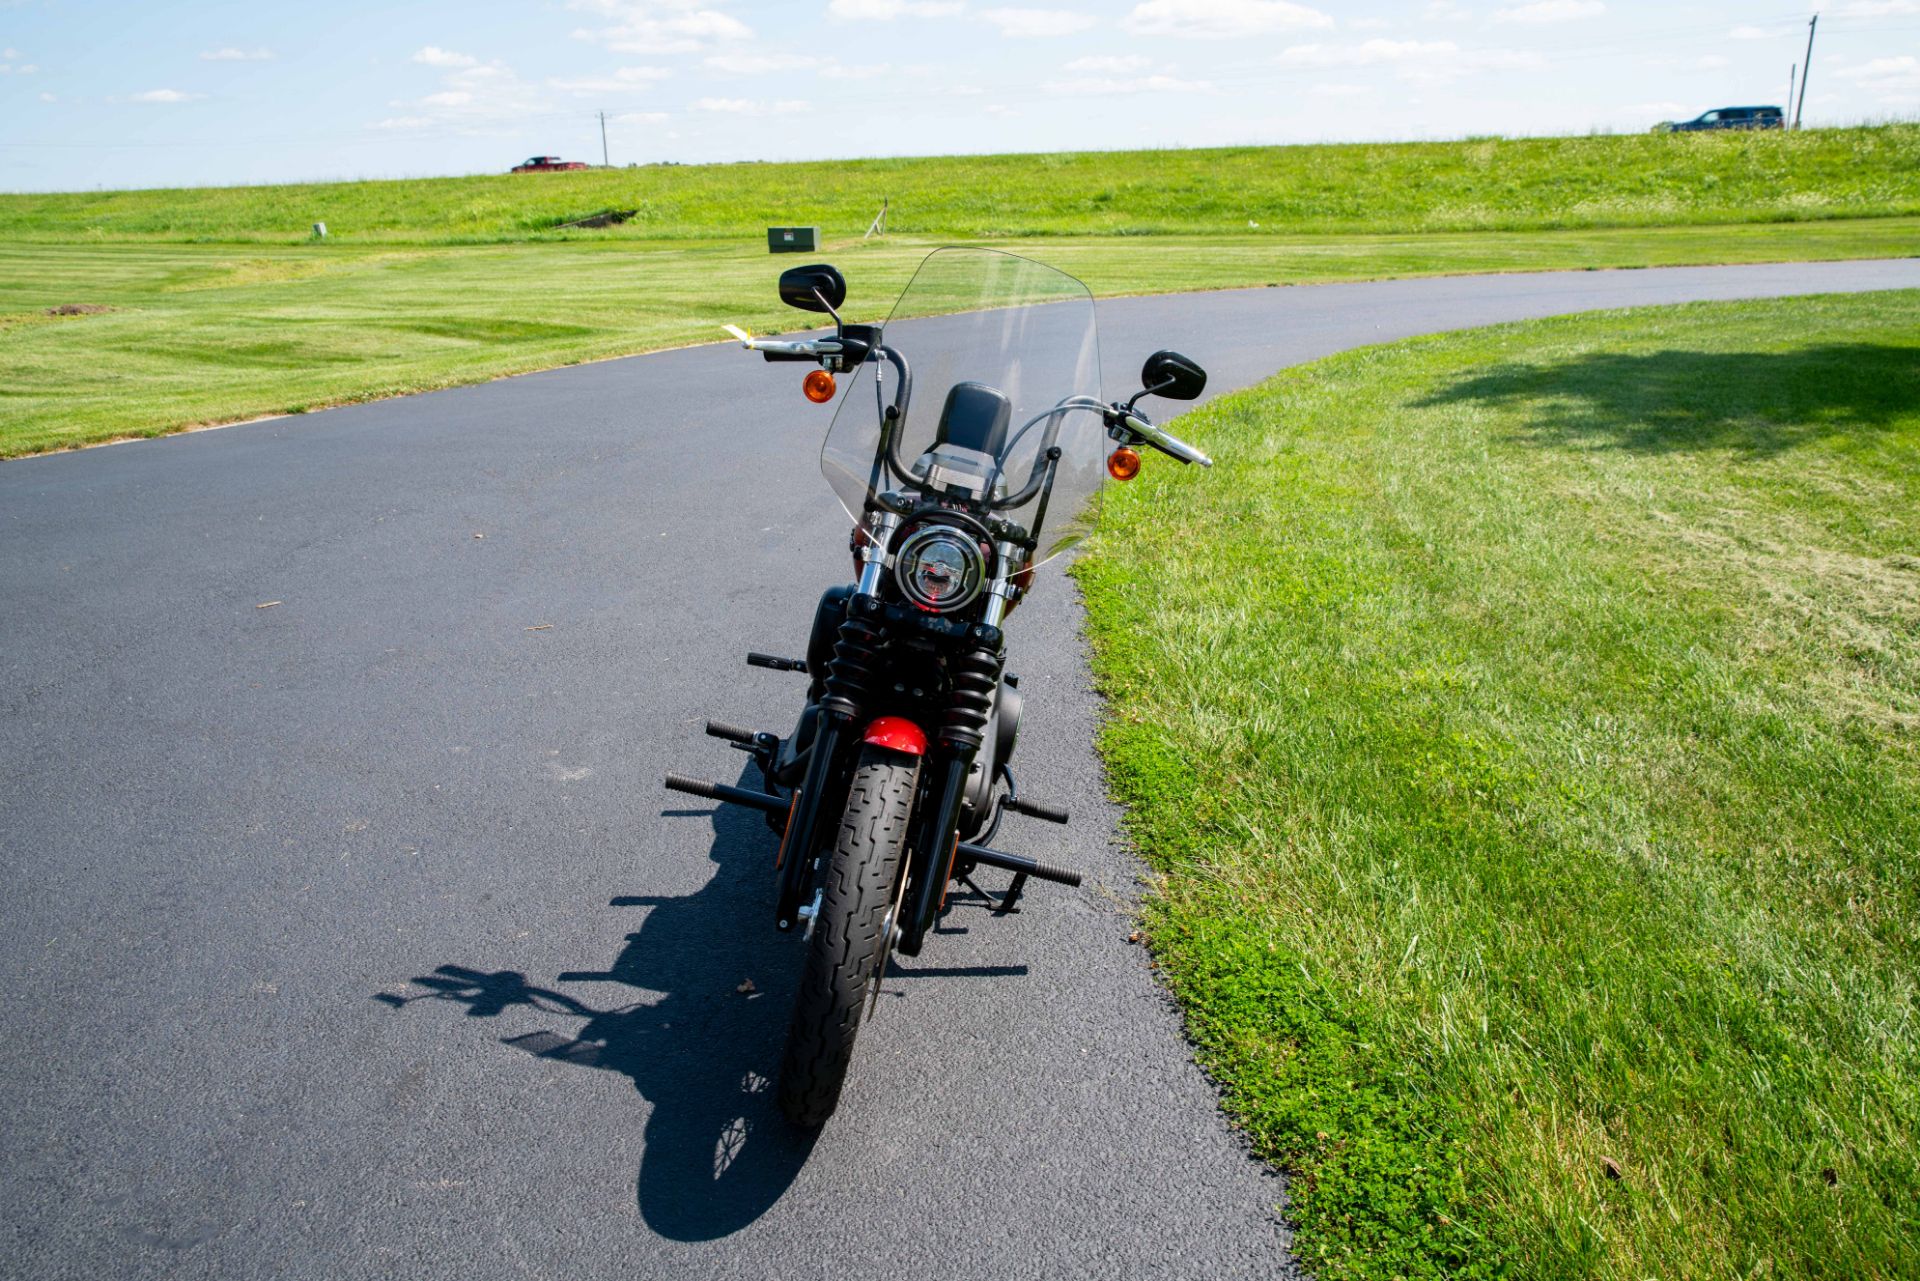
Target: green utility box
(792,240)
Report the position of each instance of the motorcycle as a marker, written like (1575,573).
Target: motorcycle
(893,782)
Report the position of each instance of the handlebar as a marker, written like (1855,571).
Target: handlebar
(1122,417)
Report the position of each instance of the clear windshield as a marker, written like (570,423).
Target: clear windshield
(994,343)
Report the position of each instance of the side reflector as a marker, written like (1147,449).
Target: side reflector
(896,733)
(1123,464)
(787,830)
(819,386)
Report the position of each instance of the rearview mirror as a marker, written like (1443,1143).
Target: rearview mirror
(1169,374)
(805,287)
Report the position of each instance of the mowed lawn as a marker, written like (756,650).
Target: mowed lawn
(194,334)
(210,305)
(1524,725)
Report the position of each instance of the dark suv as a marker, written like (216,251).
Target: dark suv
(1730,118)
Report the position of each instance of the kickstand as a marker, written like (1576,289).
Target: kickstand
(1009,902)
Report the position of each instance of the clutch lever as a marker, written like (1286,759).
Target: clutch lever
(788,349)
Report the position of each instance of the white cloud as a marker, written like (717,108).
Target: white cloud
(749,107)
(1338,91)
(1665,110)
(1447,11)
(887,10)
(1220,19)
(1037,23)
(1747,32)
(865,71)
(47,97)
(1131,84)
(1877,8)
(1705,62)
(1545,11)
(1111,65)
(231,54)
(660,26)
(9,53)
(165,95)
(760,64)
(1420,61)
(1368,24)
(1365,54)
(639,118)
(489,99)
(625,80)
(1892,81)
(435,56)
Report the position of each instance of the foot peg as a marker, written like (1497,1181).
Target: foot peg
(1019,864)
(776,663)
(722,792)
(1032,809)
(732,733)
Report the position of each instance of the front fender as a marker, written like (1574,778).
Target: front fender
(896,733)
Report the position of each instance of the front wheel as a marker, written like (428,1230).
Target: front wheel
(848,935)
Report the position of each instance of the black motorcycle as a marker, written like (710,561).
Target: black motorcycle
(896,775)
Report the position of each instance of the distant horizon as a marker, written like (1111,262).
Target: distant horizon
(504,171)
(120,96)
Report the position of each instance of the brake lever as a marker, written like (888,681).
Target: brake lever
(1164,441)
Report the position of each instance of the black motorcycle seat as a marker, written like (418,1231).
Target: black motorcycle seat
(975,417)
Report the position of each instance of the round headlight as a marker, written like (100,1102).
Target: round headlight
(939,568)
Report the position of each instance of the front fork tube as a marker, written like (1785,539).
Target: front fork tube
(801,841)
(847,678)
(934,850)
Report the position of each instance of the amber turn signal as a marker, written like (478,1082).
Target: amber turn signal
(1123,464)
(819,386)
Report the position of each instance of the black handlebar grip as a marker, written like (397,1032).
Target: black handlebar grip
(1034,809)
(788,355)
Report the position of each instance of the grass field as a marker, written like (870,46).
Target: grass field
(207,306)
(1393,188)
(205,333)
(1526,725)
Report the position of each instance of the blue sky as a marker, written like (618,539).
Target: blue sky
(115,94)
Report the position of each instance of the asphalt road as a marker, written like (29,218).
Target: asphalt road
(354,937)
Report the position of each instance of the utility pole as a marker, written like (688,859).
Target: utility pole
(604,162)
(1793,69)
(1808,73)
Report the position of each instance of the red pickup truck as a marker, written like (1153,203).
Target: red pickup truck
(548,164)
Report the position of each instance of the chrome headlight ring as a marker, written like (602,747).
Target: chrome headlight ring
(940,568)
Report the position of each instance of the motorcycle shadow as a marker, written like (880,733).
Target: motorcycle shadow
(717,1152)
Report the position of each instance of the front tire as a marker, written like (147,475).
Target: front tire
(848,939)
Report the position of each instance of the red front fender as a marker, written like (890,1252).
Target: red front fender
(896,733)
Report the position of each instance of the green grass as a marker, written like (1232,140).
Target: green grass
(1486,184)
(1525,727)
(220,311)
(215,333)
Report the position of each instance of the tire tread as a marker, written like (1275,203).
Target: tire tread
(846,945)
